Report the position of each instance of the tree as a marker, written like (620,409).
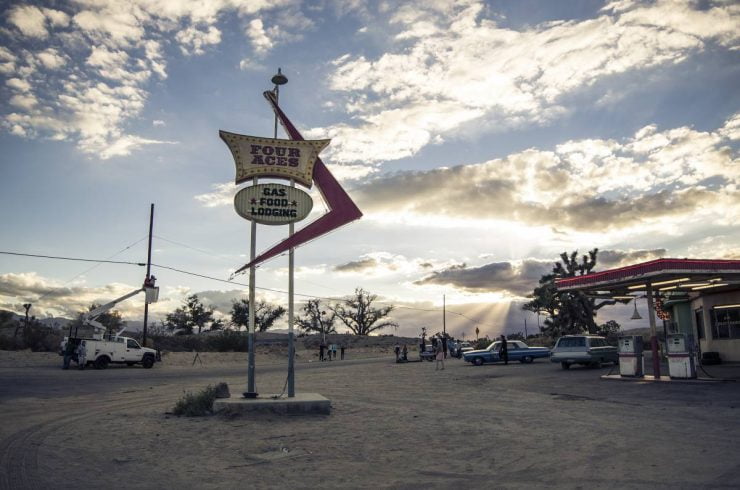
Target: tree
(178,321)
(358,314)
(608,329)
(568,312)
(193,313)
(265,315)
(316,319)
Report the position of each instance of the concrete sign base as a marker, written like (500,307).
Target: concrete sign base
(301,404)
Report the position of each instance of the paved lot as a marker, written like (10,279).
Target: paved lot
(392,425)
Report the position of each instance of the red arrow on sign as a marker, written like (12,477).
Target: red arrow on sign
(342,209)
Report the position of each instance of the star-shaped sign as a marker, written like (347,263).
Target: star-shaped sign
(342,209)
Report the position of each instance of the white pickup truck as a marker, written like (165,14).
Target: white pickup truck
(117,350)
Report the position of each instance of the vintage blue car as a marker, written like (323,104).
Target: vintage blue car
(518,351)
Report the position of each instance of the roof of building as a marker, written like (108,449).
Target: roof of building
(686,275)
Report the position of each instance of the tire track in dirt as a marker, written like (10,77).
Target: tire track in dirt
(19,451)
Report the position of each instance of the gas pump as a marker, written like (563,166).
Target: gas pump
(681,356)
(630,356)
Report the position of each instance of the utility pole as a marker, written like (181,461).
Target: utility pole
(525,328)
(148,270)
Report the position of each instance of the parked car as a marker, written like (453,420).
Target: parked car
(587,350)
(466,347)
(428,354)
(518,351)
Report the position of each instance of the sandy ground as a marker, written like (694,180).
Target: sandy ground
(392,426)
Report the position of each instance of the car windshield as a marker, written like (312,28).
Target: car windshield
(494,346)
(572,342)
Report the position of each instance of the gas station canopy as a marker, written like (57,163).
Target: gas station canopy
(674,275)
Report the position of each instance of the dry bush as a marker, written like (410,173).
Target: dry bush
(196,405)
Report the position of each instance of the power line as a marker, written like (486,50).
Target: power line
(78,259)
(185,246)
(181,271)
(312,296)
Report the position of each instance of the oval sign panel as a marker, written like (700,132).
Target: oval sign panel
(272,204)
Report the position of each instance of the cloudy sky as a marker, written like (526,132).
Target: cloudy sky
(480,139)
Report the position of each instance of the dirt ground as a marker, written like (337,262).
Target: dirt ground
(391,426)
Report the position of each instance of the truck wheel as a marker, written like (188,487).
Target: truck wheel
(565,365)
(147,362)
(101,362)
(527,359)
(478,361)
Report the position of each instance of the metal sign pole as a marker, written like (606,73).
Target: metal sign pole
(280,79)
(250,393)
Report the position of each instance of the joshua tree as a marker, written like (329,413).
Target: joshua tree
(358,314)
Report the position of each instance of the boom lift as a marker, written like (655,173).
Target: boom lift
(99,350)
(90,318)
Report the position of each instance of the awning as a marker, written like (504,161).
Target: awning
(664,275)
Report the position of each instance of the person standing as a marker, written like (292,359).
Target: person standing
(334,351)
(341,350)
(322,346)
(397,350)
(405,353)
(504,350)
(69,352)
(81,355)
(440,357)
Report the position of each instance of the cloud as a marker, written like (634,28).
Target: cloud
(449,66)
(29,20)
(223,195)
(50,297)
(90,66)
(194,40)
(516,278)
(51,59)
(258,37)
(18,84)
(357,265)
(158,122)
(656,177)
(126,144)
(377,264)
(24,101)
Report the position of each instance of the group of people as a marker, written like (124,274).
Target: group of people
(75,352)
(402,354)
(327,352)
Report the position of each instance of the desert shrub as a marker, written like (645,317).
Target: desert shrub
(180,343)
(196,405)
(38,338)
(482,343)
(228,341)
(8,342)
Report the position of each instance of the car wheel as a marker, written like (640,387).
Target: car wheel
(148,362)
(478,361)
(527,359)
(565,365)
(101,362)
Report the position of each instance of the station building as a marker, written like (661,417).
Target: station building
(697,297)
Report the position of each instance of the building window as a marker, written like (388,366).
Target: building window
(699,316)
(726,323)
